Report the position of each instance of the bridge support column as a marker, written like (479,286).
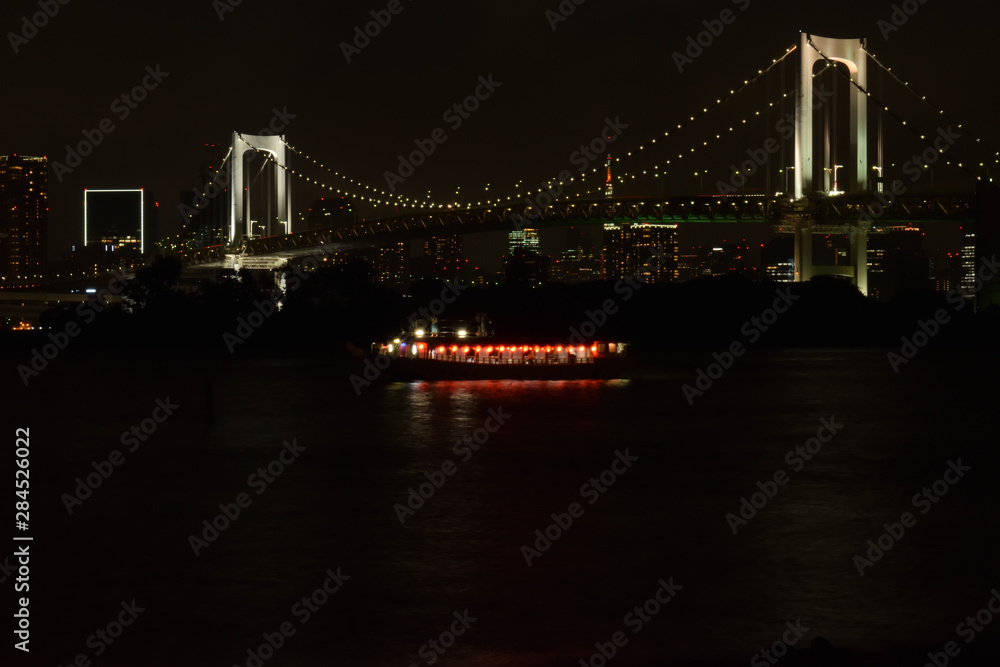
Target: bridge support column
(803,251)
(859,258)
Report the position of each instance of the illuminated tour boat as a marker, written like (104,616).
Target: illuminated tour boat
(448,353)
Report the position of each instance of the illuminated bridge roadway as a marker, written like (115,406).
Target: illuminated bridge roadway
(844,214)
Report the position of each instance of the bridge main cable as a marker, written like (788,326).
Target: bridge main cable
(923,98)
(656,174)
(720,101)
(218,171)
(892,114)
(733,93)
(414,202)
(271,157)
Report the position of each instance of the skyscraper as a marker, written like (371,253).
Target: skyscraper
(521,240)
(579,262)
(897,263)
(523,262)
(526,267)
(647,251)
(969,262)
(777,259)
(24,217)
(987,240)
(443,255)
(390,263)
(115,219)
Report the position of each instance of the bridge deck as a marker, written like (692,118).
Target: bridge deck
(836,212)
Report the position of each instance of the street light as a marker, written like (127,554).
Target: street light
(787,169)
(835,190)
(879,170)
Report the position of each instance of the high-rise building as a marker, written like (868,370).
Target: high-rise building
(119,227)
(443,255)
(24,215)
(116,219)
(987,239)
(579,261)
(777,259)
(689,266)
(575,243)
(728,259)
(897,263)
(945,269)
(647,251)
(390,263)
(526,267)
(525,239)
(969,261)
(722,260)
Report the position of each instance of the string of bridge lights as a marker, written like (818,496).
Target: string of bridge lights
(218,171)
(744,122)
(393,199)
(923,98)
(269,156)
(414,203)
(894,115)
(361,197)
(681,126)
(718,102)
(624,177)
(402,200)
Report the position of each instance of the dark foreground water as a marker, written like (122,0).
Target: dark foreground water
(662,518)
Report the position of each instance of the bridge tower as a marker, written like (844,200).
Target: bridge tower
(239,218)
(851,53)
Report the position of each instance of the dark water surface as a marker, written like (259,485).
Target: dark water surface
(663,517)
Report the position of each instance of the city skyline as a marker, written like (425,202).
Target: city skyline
(623,251)
(131,156)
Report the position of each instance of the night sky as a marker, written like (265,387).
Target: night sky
(556,86)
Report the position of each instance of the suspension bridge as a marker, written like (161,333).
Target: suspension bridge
(807,119)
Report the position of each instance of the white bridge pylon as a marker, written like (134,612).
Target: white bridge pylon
(239,218)
(850,52)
